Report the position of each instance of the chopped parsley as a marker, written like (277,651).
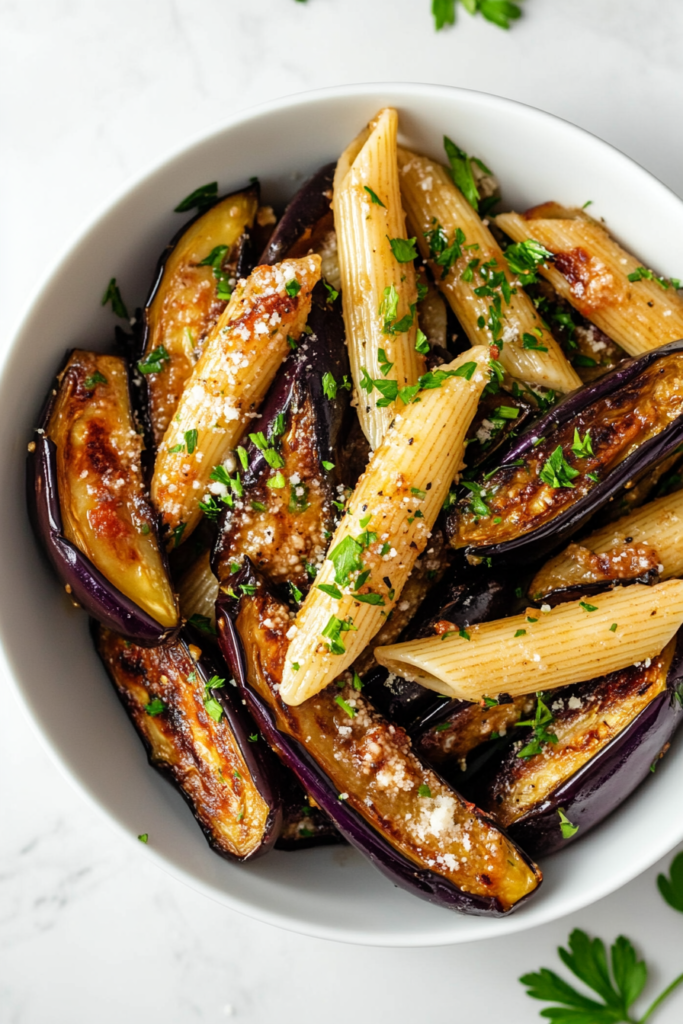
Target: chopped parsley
(277,481)
(540,724)
(332,633)
(477,504)
(588,607)
(330,385)
(613,628)
(373,196)
(461,172)
(200,199)
(215,261)
(464,634)
(403,249)
(357,682)
(370,598)
(346,559)
(421,343)
(113,295)
(520,632)
(91,382)
(332,293)
(331,589)
(529,342)
(568,830)
(213,708)
(582,449)
(557,472)
(155,707)
(388,313)
(643,274)
(384,363)
(191,440)
(524,258)
(154,362)
(143,837)
(203,623)
(328,466)
(424,790)
(345,706)
(293,288)
(177,533)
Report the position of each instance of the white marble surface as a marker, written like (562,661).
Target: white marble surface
(92,92)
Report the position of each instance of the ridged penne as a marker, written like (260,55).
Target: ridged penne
(379,293)
(591,271)
(236,368)
(571,643)
(649,538)
(198,590)
(386,526)
(449,230)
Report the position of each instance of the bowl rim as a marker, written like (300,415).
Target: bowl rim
(489,927)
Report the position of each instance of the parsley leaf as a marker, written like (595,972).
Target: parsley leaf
(346,559)
(91,382)
(373,196)
(201,198)
(540,723)
(403,249)
(523,259)
(557,472)
(618,981)
(477,503)
(568,830)
(155,707)
(531,343)
(345,706)
(113,295)
(191,440)
(332,632)
(332,293)
(582,449)
(215,261)
(461,172)
(384,363)
(154,362)
(330,589)
(202,623)
(293,288)
(672,888)
(421,343)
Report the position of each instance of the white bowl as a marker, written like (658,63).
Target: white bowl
(332,893)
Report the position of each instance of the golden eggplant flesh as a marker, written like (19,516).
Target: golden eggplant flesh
(102,497)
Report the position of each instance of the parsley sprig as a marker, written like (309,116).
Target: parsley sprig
(618,981)
(556,471)
(540,724)
(498,12)
(671,888)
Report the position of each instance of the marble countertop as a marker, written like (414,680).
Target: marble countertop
(93,93)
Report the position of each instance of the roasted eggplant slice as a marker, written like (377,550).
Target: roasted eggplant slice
(609,731)
(198,736)
(88,505)
(304,824)
(307,223)
(360,770)
(451,736)
(193,282)
(286,515)
(570,463)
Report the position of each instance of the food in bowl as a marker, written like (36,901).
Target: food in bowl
(322,457)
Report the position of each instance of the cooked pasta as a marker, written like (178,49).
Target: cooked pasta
(379,293)
(542,650)
(387,524)
(651,538)
(470,269)
(227,385)
(604,282)
(198,590)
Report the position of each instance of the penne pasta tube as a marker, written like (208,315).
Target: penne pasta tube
(603,281)
(649,538)
(379,293)
(471,271)
(386,526)
(571,643)
(236,368)
(198,591)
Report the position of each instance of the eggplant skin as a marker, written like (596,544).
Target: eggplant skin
(304,825)
(87,424)
(328,748)
(305,221)
(599,761)
(285,531)
(227,780)
(186,299)
(635,416)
